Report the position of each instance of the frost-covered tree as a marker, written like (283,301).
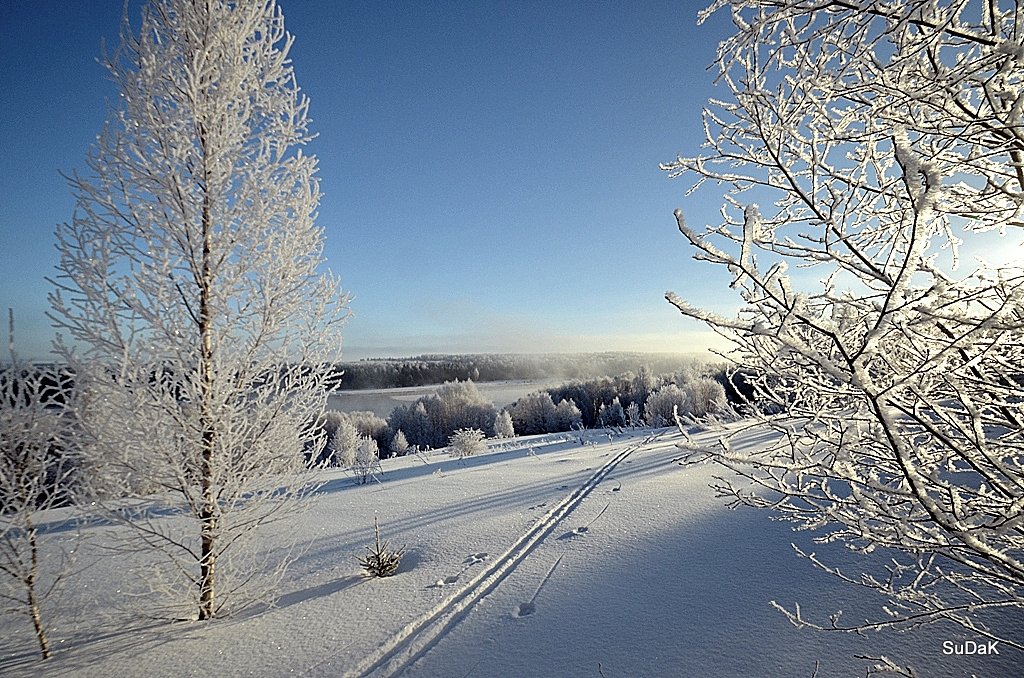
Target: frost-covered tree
(459,405)
(399,444)
(664,404)
(503,427)
(705,395)
(327,426)
(370,425)
(37,467)
(467,442)
(414,421)
(567,416)
(201,330)
(887,141)
(345,443)
(613,414)
(367,460)
(433,418)
(633,418)
(533,414)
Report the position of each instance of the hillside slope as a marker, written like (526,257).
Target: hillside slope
(541,558)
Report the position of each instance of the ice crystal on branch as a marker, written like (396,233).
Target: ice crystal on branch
(883,139)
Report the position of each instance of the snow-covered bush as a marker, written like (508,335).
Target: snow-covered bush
(367,460)
(399,445)
(567,417)
(612,415)
(345,442)
(633,418)
(663,404)
(466,443)
(705,395)
(343,430)
(503,427)
(370,425)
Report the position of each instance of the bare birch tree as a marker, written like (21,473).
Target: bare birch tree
(36,473)
(887,141)
(189,292)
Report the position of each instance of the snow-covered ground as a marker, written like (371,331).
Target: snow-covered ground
(540,558)
(381,401)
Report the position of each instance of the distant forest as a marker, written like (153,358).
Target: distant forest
(630,399)
(427,370)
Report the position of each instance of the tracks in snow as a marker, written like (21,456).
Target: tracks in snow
(416,638)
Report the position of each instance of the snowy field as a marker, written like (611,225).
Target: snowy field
(381,401)
(540,558)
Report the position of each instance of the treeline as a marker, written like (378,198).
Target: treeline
(631,399)
(426,370)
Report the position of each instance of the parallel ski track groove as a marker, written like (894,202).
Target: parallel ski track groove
(420,635)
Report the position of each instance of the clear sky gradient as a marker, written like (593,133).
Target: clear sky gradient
(489,169)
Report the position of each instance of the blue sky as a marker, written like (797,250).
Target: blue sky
(489,169)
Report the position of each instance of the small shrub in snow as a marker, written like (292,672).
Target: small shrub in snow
(367,460)
(466,442)
(380,559)
(369,425)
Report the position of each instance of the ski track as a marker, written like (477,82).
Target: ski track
(417,637)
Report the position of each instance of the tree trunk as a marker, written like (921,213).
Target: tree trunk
(208,514)
(33,600)
(207,565)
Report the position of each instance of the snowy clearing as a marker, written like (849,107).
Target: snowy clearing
(381,401)
(540,558)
